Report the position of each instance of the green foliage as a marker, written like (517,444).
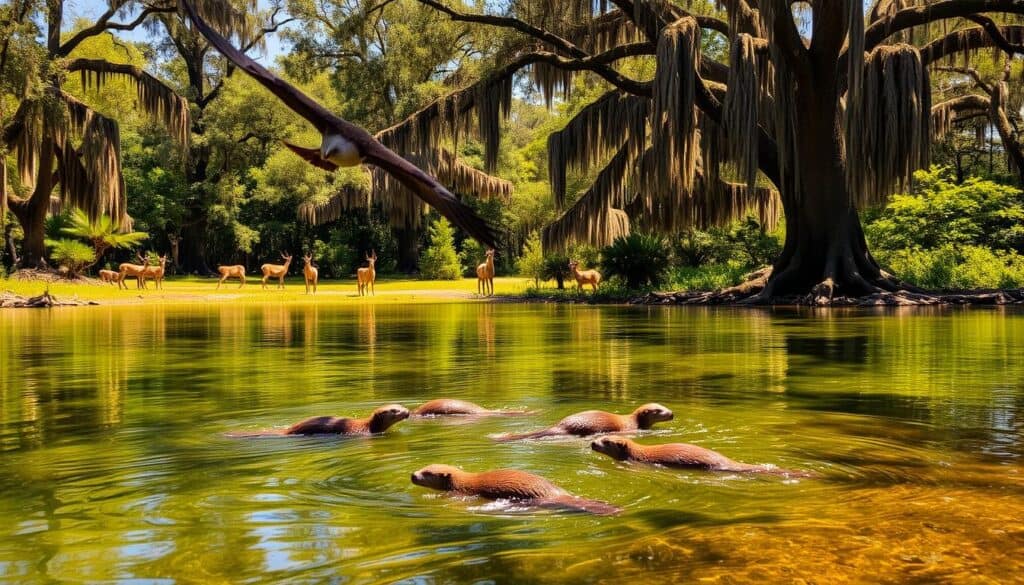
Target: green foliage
(473,254)
(956,267)
(755,246)
(439,260)
(531,262)
(707,277)
(699,247)
(939,212)
(556,268)
(639,259)
(72,254)
(101,233)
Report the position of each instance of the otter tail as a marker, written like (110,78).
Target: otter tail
(577,504)
(553,432)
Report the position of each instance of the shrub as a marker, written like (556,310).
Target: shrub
(700,247)
(531,263)
(951,267)
(556,268)
(72,254)
(439,260)
(708,277)
(756,246)
(638,259)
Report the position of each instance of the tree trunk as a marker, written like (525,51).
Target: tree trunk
(825,252)
(31,214)
(408,249)
(11,249)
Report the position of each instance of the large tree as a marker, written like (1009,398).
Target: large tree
(59,140)
(827,103)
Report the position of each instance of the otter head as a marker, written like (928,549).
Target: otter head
(436,477)
(614,447)
(385,416)
(651,413)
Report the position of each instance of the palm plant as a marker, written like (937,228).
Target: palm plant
(102,233)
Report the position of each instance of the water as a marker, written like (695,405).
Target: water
(114,464)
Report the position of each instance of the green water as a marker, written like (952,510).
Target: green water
(114,463)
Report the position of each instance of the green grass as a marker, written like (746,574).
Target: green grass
(188,289)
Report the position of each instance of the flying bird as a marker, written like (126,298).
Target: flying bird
(343,144)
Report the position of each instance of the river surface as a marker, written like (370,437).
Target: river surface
(115,464)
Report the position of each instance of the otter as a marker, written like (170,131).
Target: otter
(507,484)
(594,422)
(378,422)
(681,455)
(451,406)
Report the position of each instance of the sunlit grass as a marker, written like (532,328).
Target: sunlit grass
(196,289)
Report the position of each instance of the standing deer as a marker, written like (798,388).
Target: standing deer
(109,276)
(126,269)
(226,272)
(485,275)
(591,277)
(366,276)
(156,273)
(278,271)
(310,273)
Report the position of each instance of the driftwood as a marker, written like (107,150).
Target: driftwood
(9,300)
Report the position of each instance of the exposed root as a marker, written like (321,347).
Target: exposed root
(9,300)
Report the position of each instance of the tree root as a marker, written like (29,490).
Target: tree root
(885,291)
(9,300)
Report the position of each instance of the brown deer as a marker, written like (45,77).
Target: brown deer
(591,277)
(156,273)
(278,271)
(366,276)
(310,273)
(236,271)
(127,269)
(485,275)
(109,276)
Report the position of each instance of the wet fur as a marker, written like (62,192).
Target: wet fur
(507,484)
(594,422)
(451,406)
(681,456)
(379,421)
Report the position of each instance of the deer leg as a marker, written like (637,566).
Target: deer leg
(242,279)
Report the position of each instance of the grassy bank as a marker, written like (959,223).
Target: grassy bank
(194,289)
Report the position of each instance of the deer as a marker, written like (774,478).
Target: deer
(127,269)
(278,271)
(485,275)
(591,277)
(109,276)
(156,273)
(310,273)
(366,276)
(226,272)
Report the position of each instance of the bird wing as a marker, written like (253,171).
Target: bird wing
(311,155)
(424,186)
(431,191)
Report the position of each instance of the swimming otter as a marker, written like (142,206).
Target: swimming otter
(680,455)
(378,422)
(593,422)
(451,406)
(507,484)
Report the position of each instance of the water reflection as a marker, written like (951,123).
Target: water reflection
(114,463)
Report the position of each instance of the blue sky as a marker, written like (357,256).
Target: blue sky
(91,9)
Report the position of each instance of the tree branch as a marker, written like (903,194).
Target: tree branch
(965,40)
(103,24)
(970,72)
(883,28)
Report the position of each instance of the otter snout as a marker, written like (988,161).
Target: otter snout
(416,479)
(597,445)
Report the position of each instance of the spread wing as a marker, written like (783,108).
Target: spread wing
(431,191)
(424,186)
(311,155)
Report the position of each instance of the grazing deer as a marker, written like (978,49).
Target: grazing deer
(226,272)
(127,269)
(485,275)
(109,276)
(591,277)
(278,271)
(310,273)
(156,273)
(366,276)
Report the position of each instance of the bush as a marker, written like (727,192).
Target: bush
(531,263)
(959,268)
(638,259)
(700,247)
(440,261)
(757,246)
(72,254)
(708,277)
(556,268)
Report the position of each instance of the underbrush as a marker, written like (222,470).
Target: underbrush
(956,267)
